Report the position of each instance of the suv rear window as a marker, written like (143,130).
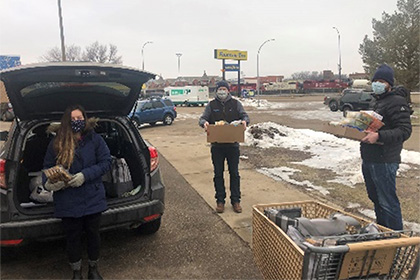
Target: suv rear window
(43,88)
(168,102)
(157,104)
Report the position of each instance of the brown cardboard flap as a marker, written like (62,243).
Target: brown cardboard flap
(225,134)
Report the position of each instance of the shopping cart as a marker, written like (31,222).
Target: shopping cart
(385,255)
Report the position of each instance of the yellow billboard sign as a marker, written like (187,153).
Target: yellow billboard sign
(230,54)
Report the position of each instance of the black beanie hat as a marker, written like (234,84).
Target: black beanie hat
(222,83)
(384,72)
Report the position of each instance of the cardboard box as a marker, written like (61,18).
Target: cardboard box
(344,131)
(225,133)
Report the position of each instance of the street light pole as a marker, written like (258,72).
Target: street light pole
(60,16)
(179,62)
(258,69)
(142,53)
(339,54)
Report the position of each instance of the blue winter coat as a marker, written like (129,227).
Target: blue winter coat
(93,159)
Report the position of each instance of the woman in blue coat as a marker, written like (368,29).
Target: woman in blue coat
(80,201)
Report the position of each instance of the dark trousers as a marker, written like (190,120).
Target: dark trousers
(74,228)
(380,180)
(218,156)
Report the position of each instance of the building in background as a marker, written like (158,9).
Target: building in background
(359,76)
(328,75)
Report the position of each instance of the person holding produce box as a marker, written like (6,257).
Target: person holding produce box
(380,162)
(224,108)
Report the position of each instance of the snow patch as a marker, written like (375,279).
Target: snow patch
(353,205)
(185,116)
(284,173)
(340,155)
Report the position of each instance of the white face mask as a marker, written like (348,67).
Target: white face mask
(222,94)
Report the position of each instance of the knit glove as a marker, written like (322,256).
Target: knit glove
(77,180)
(54,186)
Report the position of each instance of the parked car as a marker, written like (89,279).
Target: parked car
(355,100)
(152,111)
(39,95)
(349,99)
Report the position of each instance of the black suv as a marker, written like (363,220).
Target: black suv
(350,100)
(39,95)
(355,100)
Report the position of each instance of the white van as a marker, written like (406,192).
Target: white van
(188,95)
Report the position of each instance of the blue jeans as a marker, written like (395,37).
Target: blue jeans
(218,156)
(380,180)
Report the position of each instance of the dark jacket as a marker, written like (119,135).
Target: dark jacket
(396,117)
(229,110)
(93,159)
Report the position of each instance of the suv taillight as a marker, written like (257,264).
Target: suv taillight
(174,108)
(154,158)
(3,174)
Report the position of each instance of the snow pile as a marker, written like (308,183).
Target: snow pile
(326,151)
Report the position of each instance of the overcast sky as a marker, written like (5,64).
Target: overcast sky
(302,29)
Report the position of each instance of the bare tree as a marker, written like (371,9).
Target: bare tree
(73,53)
(307,75)
(53,54)
(99,53)
(94,53)
(113,57)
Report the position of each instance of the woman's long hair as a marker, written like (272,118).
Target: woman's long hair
(66,140)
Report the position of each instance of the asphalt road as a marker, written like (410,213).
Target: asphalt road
(192,243)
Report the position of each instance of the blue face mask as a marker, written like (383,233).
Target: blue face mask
(378,88)
(78,125)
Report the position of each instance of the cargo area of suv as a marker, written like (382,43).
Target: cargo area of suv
(28,178)
(39,94)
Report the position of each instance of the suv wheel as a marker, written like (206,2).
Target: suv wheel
(345,110)
(167,120)
(150,227)
(333,105)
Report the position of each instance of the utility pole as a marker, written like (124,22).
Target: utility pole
(339,54)
(179,63)
(142,54)
(60,16)
(258,69)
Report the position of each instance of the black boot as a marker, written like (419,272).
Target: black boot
(93,272)
(77,269)
(77,274)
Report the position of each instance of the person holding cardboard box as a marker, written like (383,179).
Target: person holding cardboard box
(224,108)
(381,162)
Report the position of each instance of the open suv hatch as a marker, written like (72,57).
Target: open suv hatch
(39,95)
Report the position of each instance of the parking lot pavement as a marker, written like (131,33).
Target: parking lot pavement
(193,243)
(184,145)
